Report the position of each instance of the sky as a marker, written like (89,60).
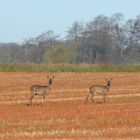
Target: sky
(24,19)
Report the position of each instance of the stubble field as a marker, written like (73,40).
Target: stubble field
(66,115)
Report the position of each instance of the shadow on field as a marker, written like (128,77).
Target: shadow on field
(36,104)
(99,102)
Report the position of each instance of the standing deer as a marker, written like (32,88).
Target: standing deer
(103,90)
(40,90)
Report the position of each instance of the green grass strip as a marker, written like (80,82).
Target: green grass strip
(68,68)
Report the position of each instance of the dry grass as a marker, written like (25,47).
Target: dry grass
(66,115)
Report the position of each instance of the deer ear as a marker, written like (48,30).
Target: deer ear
(53,77)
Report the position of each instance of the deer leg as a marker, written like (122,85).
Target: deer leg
(93,94)
(104,97)
(92,98)
(87,97)
(45,97)
(30,99)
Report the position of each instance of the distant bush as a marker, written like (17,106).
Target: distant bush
(60,54)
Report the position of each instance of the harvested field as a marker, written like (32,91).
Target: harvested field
(66,115)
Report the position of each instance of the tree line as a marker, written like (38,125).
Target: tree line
(103,40)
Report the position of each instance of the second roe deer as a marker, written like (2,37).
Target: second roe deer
(100,89)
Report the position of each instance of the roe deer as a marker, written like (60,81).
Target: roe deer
(99,89)
(40,90)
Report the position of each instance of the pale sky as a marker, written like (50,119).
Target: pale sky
(22,19)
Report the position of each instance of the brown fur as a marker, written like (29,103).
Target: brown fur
(40,90)
(99,89)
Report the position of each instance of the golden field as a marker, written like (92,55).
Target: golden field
(66,115)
